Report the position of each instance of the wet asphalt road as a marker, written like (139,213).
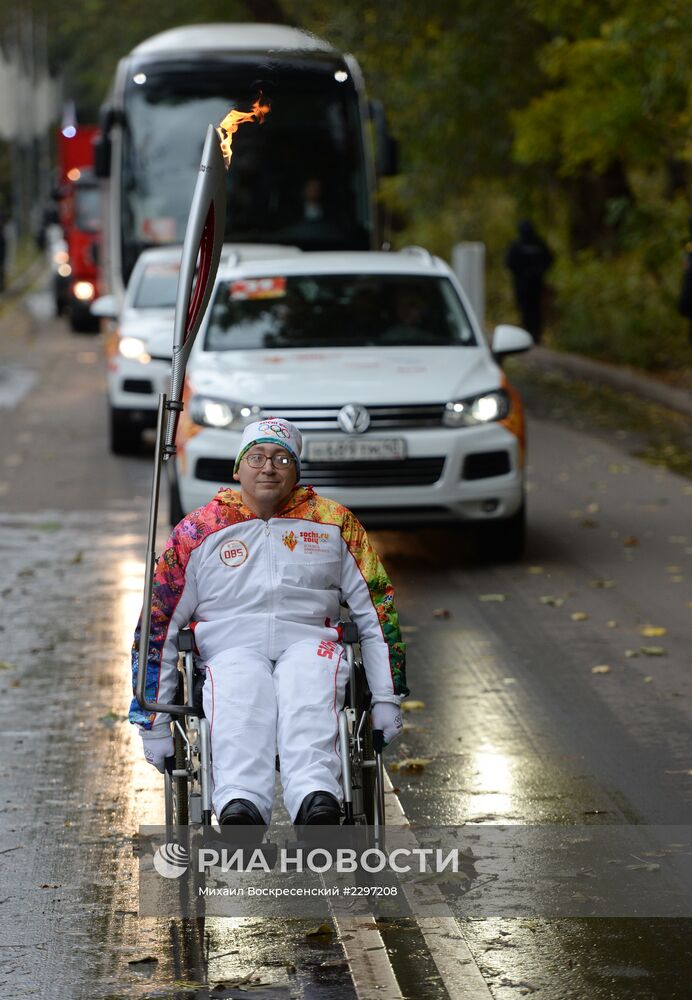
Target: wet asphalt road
(516,726)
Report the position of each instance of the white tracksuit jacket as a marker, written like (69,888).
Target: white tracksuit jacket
(266,585)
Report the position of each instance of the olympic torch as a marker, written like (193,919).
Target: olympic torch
(201,254)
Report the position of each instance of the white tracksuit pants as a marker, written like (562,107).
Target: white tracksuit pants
(258,708)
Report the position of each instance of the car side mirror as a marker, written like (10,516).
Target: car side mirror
(510,340)
(105,307)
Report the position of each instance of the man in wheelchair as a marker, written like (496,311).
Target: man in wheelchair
(260,574)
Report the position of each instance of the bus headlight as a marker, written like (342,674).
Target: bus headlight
(482,409)
(222,413)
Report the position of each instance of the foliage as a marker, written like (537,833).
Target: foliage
(573,113)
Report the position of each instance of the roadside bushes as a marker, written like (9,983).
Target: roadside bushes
(619,310)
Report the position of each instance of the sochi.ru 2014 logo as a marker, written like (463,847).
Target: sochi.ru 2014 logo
(171,860)
(289,539)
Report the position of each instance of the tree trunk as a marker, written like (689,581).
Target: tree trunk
(589,198)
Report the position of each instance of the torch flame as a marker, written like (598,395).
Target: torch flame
(233,119)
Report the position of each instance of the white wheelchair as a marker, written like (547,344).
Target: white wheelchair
(187,777)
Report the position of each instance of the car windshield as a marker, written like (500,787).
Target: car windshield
(157,287)
(337,310)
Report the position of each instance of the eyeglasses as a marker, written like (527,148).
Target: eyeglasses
(258,461)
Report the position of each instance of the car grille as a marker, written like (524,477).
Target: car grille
(324,418)
(409,472)
(485,464)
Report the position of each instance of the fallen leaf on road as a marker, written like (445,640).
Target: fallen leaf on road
(4,665)
(602,668)
(488,598)
(76,559)
(535,570)
(579,616)
(588,522)
(630,542)
(410,764)
(554,602)
(611,624)
(652,630)
(441,613)
(412,705)
(629,653)
(643,866)
(323,930)
(648,680)
(602,584)
(684,771)
(652,650)
(593,508)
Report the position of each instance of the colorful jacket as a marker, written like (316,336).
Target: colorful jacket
(242,581)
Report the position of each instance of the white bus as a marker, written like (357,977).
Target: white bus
(305,177)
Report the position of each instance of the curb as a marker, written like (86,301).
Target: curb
(624,379)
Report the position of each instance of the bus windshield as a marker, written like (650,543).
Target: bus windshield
(87,201)
(299,178)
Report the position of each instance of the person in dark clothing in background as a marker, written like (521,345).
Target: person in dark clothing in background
(685,300)
(528,258)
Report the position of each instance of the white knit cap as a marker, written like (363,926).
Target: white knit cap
(272,430)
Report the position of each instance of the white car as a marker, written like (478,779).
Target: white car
(140,346)
(377,357)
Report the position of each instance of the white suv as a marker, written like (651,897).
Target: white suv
(377,357)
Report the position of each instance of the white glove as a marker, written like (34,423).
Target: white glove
(387,717)
(157,744)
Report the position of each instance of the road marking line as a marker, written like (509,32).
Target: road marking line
(368,959)
(442,934)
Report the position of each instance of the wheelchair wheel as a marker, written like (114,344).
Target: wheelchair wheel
(180,785)
(368,775)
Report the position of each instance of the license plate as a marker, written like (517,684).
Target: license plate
(357,450)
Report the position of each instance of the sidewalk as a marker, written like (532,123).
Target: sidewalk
(623,379)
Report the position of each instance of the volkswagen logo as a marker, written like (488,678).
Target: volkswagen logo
(353,419)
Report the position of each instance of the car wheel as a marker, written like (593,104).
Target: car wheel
(505,540)
(81,322)
(175,507)
(125,437)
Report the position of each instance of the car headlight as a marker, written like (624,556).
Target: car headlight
(223,413)
(133,349)
(84,290)
(476,409)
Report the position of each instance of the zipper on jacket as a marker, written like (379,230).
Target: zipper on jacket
(270,577)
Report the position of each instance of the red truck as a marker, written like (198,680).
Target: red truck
(79,213)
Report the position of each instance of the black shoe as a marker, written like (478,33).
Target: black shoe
(240,812)
(319,809)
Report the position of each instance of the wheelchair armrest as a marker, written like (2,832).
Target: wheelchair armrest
(186,640)
(349,632)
